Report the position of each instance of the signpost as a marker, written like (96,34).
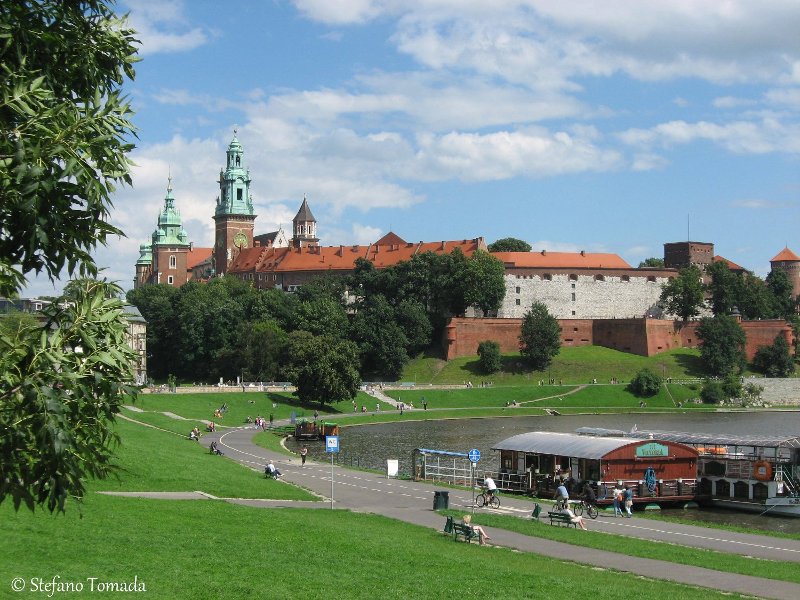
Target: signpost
(332,446)
(474,456)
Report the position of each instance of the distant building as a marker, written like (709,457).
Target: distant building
(789,262)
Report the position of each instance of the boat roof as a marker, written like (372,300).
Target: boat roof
(717,439)
(443,452)
(563,444)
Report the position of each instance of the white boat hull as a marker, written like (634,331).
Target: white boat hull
(779,506)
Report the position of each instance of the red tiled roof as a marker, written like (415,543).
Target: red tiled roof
(197,255)
(342,258)
(731,265)
(785,255)
(561,260)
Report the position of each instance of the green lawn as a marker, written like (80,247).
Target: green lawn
(718,561)
(572,366)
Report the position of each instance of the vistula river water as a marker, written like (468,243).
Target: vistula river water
(369,446)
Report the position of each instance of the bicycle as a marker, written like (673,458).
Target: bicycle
(591,509)
(484,499)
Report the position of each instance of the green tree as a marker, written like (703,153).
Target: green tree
(645,383)
(722,348)
(509,244)
(754,299)
(484,282)
(723,288)
(63,150)
(780,285)
(683,295)
(263,349)
(712,392)
(381,341)
(416,325)
(540,336)
(323,368)
(322,315)
(652,262)
(490,360)
(66,133)
(775,360)
(155,304)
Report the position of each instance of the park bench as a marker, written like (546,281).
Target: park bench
(459,529)
(560,519)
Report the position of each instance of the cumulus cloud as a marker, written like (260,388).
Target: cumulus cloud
(162,27)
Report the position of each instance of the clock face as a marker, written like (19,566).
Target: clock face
(240,239)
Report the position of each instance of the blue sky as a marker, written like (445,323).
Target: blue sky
(603,125)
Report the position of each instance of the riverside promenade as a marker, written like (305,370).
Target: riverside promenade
(412,502)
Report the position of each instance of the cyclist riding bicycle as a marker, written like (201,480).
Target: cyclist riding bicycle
(588,494)
(562,496)
(491,487)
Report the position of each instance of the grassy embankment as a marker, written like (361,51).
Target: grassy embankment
(211,549)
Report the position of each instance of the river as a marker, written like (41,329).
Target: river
(370,445)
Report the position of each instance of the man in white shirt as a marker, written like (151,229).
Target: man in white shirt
(491,487)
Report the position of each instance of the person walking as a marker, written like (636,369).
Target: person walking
(627,495)
(617,495)
(303,454)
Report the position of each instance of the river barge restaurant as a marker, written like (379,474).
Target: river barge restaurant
(656,470)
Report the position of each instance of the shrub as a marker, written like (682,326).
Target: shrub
(645,383)
(489,353)
(712,393)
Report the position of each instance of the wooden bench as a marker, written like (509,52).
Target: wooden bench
(459,529)
(465,531)
(560,519)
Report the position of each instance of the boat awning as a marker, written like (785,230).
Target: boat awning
(441,452)
(716,439)
(563,444)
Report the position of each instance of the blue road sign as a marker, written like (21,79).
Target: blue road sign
(331,443)
(474,455)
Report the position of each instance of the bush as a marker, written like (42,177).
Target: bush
(645,384)
(712,393)
(490,360)
(775,360)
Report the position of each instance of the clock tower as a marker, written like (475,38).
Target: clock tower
(234,215)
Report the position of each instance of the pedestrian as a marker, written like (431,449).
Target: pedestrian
(303,454)
(618,500)
(271,420)
(628,497)
(316,415)
(424,404)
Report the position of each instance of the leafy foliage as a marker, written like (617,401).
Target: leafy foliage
(645,383)
(484,282)
(381,341)
(652,262)
(723,345)
(60,387)
(540,337)
(712,392)
(775,360)
(683,296)
(509,244)
(63,149)
(324,368)
(65,134)
(490,360)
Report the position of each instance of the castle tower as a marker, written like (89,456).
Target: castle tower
(169,247)
(144,266)
(788,261)
(234,215)
(304,227)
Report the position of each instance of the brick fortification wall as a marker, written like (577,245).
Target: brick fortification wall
(645,337)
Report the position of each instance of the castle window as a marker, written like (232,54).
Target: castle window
(238,161)
(573,296)
(239,194)
(573,313)
(599,278)
(573,286)
(625,278)
(547,277)
(173,262)
(170,279)
(651,279)
(518,288)
(573,277)
(518,301)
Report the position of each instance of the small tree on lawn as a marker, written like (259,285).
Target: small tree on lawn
(722,350)
(540,336)
(712,392)
(645,383)
(775,360)
(490,358)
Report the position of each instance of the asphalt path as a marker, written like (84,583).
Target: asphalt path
(412,502)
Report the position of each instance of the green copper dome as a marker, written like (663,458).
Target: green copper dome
(234,184)
(170,231)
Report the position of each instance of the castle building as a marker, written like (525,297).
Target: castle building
(169,257)
(788,261)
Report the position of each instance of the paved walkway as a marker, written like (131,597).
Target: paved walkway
(412,502)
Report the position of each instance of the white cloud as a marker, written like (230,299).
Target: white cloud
(732,102)
(754,204)
(161,27)
(740,137)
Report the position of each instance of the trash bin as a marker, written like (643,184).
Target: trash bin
(441,500)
